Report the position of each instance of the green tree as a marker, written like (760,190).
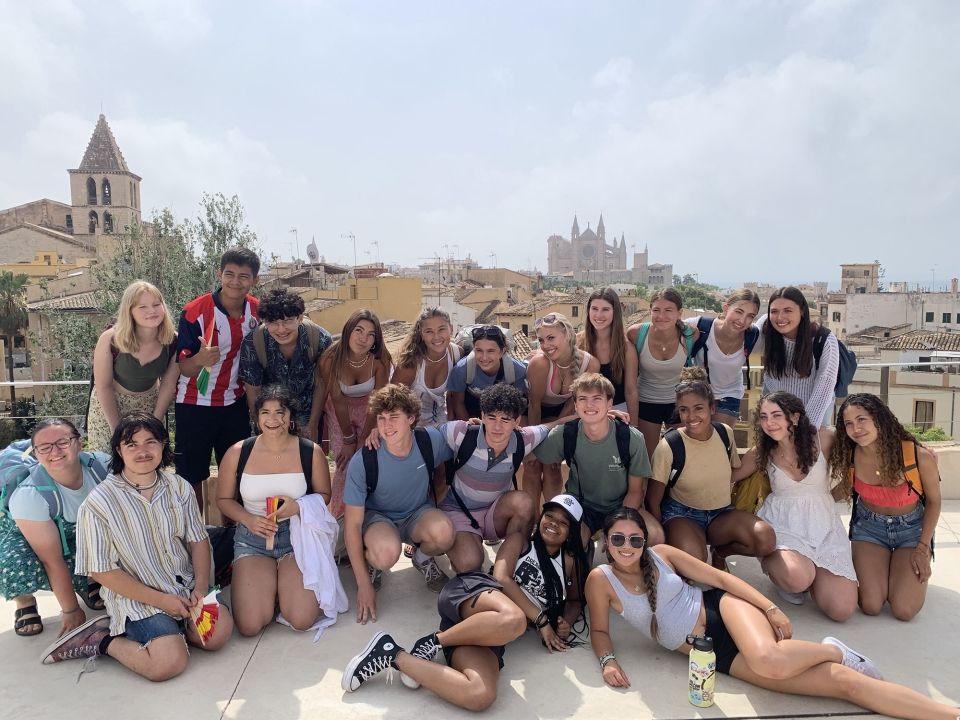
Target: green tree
(696,296)
(13,316)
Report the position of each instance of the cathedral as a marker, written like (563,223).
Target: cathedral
(587,256)
(104,199)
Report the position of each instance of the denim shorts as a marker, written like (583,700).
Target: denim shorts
(245,543)
(159,625)
(890,531)
(729,406)
(670,509)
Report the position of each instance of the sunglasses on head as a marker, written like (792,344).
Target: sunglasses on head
(546,320)
(636,541)
(487,331)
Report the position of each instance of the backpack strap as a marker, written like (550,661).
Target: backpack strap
(819,340)
(371,469)
(467,447)
(750,338)
(471,368)
(95,464)
(313,340)
(260,344)
(704,325)
(675,441)
(508,370)
(687,333)
(306,461)
(911,469)
(518,455)
(571,429)
(722,432)
(642,333)
(245,449)
(425,444)
(622,432)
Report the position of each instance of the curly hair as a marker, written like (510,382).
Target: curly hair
(649,569)
(503,398)
(280,304)
(587,339)
(802,432)
(693,381)
(414,349)
(890,435)
(774,347)
(279,394)
(395,397)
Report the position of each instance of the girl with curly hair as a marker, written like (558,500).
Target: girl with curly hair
(896,504)
(813,552)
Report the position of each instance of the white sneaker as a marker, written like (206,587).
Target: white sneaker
(792,597)
(854,660)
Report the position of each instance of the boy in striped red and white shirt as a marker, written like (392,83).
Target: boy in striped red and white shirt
(212,415)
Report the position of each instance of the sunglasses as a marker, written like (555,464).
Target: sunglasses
(636,541)
(487,331)
(546,320)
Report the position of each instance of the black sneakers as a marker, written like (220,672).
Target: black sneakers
(377,656)
(426,648)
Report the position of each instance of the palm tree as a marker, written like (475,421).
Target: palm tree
(13,316)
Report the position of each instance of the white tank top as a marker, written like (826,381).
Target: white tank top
(255,489)
(433,401)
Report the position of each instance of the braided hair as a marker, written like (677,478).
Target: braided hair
(553,583)
(651,575)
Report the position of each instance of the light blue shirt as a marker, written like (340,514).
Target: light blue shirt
(27,503)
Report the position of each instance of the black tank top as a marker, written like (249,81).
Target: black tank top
(618,394)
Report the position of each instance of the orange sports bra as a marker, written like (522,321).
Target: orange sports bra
(884,496)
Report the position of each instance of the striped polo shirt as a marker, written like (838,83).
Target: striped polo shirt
(119,529)
(205,318)
(485,478)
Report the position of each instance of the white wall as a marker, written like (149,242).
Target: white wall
(889,309)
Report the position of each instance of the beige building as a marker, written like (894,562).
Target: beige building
(46,264)
(859,278)
(389,298)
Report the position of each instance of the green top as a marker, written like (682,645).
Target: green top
(136,378)
(606,485)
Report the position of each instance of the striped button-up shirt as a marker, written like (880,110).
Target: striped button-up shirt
(119,529)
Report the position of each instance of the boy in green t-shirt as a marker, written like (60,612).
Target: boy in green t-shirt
(598,478)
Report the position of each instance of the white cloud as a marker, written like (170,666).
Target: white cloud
(616,74)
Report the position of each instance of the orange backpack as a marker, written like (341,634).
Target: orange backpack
(911,470)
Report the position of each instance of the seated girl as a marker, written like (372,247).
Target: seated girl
(544,574)
(691,499)
(753,640)
(263,577)
(813,552)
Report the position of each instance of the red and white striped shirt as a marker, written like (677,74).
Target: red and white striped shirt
(205,319)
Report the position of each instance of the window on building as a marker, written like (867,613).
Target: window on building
(107,222)
(923,414)
(525,329)
(836,317)
(946,318)
(94,221)
(506,324)
(91,191)
(929,317)
(69,223)
(106,191)
(866,273)
(575,311)
(48,260)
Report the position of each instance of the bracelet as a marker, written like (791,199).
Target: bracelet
(71,612)
(350,438)
(542,620)
(772,607)
(606,659)
(923,545)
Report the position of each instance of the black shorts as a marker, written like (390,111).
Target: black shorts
(657,413)
(593,518)
(458,590)
(202,429)
(549,412)
(723,645)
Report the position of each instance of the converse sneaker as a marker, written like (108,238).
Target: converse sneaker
(376,577)
(855,660)
(81,642)
(426,648)
(434,576)
(379,655)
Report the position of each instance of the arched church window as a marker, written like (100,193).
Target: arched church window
(94,221)
(106,192)
(107,222)
(91,191)
(70,223)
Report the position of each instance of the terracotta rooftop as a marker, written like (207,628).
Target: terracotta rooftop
(85,301)
(878,332)
(321,304)
(103,154)
(637,317)
(924,340)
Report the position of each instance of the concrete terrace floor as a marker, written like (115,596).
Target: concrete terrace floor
(283,674)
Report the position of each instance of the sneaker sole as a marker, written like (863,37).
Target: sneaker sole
(844,648)
(45,658)
(351,668)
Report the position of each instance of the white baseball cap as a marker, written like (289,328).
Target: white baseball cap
(568,503)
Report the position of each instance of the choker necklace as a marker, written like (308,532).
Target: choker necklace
(359,364)
(564,367)
(430,359)
(141,488)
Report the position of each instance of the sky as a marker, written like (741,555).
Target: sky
(739,140)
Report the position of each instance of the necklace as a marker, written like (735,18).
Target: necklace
(359,364)
(430,359)
(564,367)
(141,488)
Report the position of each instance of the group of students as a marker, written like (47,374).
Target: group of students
(428,448)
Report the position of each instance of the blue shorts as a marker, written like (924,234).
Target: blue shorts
(729,406)
(245,543)
(404,526)
(159,625)
(670,509)
(890,531)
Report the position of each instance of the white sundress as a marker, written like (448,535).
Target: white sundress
(805,517)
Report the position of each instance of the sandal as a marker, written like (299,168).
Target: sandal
(27,621)
(92,597)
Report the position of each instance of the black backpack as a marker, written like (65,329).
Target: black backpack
(848,361)
(306,460)
(467,447)
(571,431)
(371,466)
(704,325)
(675,441)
